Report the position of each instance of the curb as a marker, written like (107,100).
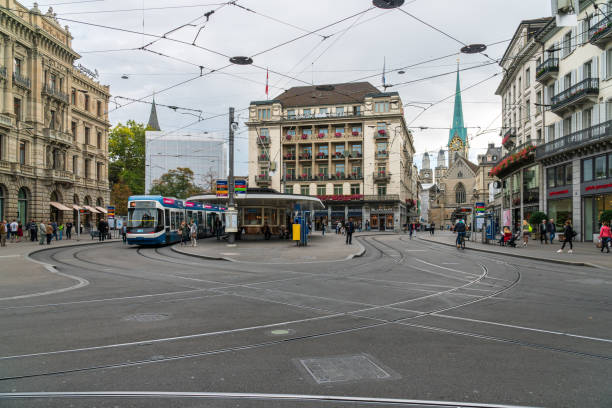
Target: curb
(213,258)
(534,258)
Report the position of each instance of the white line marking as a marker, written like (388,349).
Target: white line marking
(81,283)
(10,256)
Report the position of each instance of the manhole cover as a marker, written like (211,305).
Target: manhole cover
(146,317)
(344,368)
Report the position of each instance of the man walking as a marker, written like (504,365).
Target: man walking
(68,230)
(42,233)
(101,230)
(14,227)
(33,231)
(218,228)
(551,230)
(350,228)
(3,232)
(49,233)
(542,232)
(432,228)
(54,226)
(411,228)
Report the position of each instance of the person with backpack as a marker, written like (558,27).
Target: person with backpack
(526,232)
(605,235)
(49,232)
(568,236)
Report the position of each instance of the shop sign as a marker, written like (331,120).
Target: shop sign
(598,187)
(554,193)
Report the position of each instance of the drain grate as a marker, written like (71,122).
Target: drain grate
(146,317)
(344,368)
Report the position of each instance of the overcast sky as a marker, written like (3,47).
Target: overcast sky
(353,49)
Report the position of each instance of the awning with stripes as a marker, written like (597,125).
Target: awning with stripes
(102,209)
(91,209)
(59,206)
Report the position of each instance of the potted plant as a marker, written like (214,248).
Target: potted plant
(338,134)
(288,137)
(338,174)
(382,132)
(321,135)
(321,176)
(304,136)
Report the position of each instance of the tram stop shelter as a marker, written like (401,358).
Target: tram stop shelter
(264,206)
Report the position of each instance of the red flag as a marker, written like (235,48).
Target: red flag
(267,77)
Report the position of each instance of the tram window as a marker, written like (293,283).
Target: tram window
(167,218)
(189,216)
(200,218)
(173,220)
(142,217)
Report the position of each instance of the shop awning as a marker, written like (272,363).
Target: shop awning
(60,206)
(76,207)
(102,209)
(91,209)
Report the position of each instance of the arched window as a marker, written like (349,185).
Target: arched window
(460,194)
(460,174)
(22,205)
(3,201)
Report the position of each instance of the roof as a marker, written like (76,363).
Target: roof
(352,92)
(264,197)
(153,123)
(458,127)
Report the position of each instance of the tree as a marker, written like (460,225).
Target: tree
(537,217)
(126,149)
(119,197)
(176,183)
(210,181)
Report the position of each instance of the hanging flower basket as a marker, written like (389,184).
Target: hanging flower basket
(355,133)
(338,134)
(321,135)
(382,132)
(288,137)
(304,136)
(321,176)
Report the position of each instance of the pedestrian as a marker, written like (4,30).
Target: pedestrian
(19,231)
(101,230)
(193,230)
(568,236)
(350,228)
(411,229)
(124,233)
(3,232)
(367,225)
(54,226)
(184,233)
(49,233)
(42,233)
(542,231)
(218,227)
(526,232)
(81,229)
(14,227)
(323,228)
(68,230)
(60,230)
(432,228)
(551,230)
(33,231)
(605,235)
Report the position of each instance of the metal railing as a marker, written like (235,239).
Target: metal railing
(381,197)
(21,80)
(263,140)
(381,176)
(263,157)
(511,132)
(588,85)
(323,116)
(382,155)
(55,93)
(550,65)
(576,139)
(599,28)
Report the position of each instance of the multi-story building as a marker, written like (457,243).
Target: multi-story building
(53,123)
(523,125)
(567,174)
(345,143)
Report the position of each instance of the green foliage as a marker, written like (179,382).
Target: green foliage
(126,149)
(606,216)
(119,197)
(176,183)
(536,218)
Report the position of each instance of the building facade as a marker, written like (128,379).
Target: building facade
(567,174)
(53,123)
(346,144)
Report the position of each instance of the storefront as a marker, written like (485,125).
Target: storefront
(596,192)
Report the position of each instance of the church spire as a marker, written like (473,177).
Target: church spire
(458,128)
(153,123)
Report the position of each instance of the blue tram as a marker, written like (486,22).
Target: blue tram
(154,220)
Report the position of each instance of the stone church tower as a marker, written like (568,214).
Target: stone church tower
(441,166)
(425,174)
(457,136)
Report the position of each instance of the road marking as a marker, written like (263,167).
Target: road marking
(230,253)
(10,256)
(81,283)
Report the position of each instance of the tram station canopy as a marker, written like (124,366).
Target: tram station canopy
(264,197)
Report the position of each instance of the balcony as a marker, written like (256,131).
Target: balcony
(3,74)
(6,121)
(354,155)
(323,116)
(55,94)
(263,140)
(57,136)
(584,91)
(337,156)
(321,136)
(289,156)
(21,80)
(580,139)
(60,175)
(601,34)
(381,134)
(520,156)
(509,139)
(547,70)
(5,165)
(305,156)
(263,179)
(263,158)
(381,176)
(321,156)
(23,169)
(382,155)
(381,197)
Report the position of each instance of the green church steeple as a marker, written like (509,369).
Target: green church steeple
(458,127)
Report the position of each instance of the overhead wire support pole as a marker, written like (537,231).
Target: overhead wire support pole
(230,179)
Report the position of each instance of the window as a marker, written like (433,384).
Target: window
(550,177)
(73,96)
(355,189)
(551,93)
(53,82)
(538,102)
(307,113)
(22,153)
(75,164)
(17,109)
(291,114)
(86,167)
(567,81)
(304,190)
(340,130)
(73,129)
(600,167)
(356,129)
(323,169)
(338,189)
(87,135)
(567,42)
(527,78)
(323,111)
(99,140)
(381,147)
(340,169)
(587,70)
(356,170)
(290,172)
(356,148)
(307,170)
(339,149)
(527,110)
(264,132)
(587,170)
(321,190)
(567,125)
(608,64)
(460,194)
(587,116)
(610,165)
(551,133)
(2,146)
(356,110)
(52,123)
(381,107)
(339,110)
(99,108)
(98,171)
(17,66)
(87,102)
(381,189)
(324,149)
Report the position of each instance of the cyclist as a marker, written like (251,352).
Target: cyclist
(460,230)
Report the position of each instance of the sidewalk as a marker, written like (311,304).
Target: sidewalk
(329,248)
(585,253)
(22,277)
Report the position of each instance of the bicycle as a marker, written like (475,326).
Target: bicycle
(461,240)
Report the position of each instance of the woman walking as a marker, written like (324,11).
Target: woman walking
(605,235)
(526,232)
(19,231)
(568,236)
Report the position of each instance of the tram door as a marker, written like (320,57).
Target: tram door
(167,222)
